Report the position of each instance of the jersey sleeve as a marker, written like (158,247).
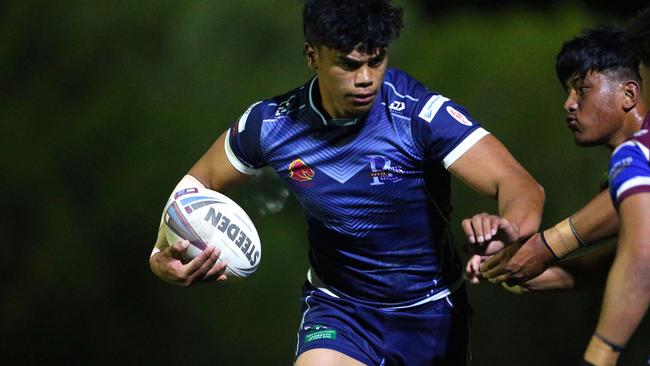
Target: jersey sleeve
(444,129)
(243,141)
(629,171)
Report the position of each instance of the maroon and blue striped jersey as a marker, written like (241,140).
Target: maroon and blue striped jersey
(629,167)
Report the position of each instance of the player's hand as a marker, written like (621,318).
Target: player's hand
(169,266)
(489,234)
(472,269)
(518,263)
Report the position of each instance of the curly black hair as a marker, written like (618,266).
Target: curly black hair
(346,25)
(637,35)
(601,49)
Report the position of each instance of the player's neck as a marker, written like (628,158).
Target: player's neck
(329,111)
(632,124)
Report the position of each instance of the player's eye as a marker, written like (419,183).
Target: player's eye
(349,64)
(581,89)
(377,60)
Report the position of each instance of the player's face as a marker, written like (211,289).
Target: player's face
(595,113)
(348,82)
(644,69)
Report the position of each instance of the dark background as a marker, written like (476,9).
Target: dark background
(105,105)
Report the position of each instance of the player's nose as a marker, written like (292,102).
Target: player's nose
(364,77)
(571,102)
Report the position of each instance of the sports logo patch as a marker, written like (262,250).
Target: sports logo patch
(382,171)
(299,171)
(319,332)
(286,106)
(458,116)
(618,167)
(431,108)
(397,106)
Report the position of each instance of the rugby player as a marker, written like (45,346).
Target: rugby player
(627,292)
(368,150)
(605,106)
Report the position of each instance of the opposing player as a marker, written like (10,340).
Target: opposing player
(605,106)
(368,152)
(627,293)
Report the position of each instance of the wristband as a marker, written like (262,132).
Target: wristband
(561,239)
(601,353)
(575,233)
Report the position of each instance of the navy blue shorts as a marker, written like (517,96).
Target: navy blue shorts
(434,333)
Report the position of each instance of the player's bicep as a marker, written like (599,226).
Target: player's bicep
(635,216)
(485,165)
(215,169)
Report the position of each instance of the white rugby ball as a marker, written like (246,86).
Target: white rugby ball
(208,218)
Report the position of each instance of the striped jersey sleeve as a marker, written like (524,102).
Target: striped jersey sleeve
(629,168)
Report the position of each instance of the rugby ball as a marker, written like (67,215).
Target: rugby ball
(208,218)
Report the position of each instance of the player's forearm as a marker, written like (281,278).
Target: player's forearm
(521,202)
(627,295)
(597,220)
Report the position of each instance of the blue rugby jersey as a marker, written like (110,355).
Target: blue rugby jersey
(629,167)
(376,194)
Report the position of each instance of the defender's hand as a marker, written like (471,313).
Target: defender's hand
(519,263)
(168,265)
(489,234)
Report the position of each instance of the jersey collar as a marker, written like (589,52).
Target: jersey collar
(336,122)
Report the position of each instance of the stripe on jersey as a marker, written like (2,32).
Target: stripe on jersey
(465,145)
(632,183)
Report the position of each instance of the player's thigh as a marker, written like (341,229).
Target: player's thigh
(326,357)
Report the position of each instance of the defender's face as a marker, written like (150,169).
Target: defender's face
(348,82)
(594,108)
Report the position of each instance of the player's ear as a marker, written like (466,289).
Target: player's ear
(632,94)
(311,54)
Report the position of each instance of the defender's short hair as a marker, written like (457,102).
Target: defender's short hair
(637,36)
(346,25)
(601,49)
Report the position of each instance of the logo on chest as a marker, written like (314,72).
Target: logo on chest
(299,171)
(383,171)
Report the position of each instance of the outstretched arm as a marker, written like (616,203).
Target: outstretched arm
(489,168)
(594,222)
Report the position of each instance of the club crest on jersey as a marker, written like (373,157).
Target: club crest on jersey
(299,171)
(458,116)
(382,171)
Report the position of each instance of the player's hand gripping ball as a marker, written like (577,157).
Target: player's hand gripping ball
(208,218)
